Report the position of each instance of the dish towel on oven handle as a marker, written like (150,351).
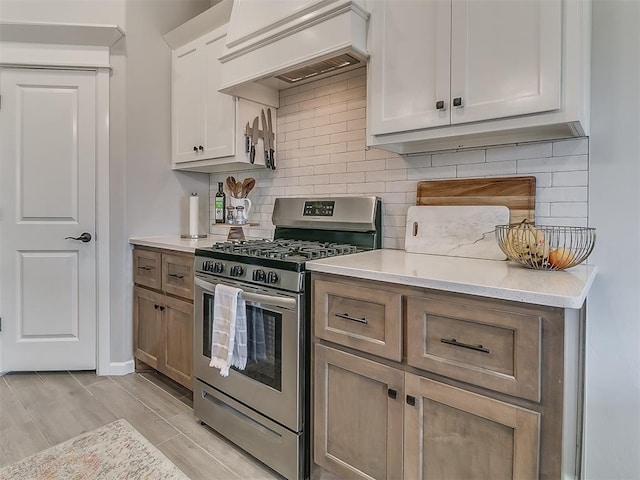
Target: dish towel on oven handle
(229,332)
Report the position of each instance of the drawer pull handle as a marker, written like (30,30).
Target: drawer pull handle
(455,343)
(346,316)
(147,268)
(392,393)
(176,275)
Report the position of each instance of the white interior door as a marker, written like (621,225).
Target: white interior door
(47,166)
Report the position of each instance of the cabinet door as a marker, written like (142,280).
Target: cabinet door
(186,103)
(178,341)
(358,425)
(147,327)
(409,44)
(455,434)
(505,58)
(219,108)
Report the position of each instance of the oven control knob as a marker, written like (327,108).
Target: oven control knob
(237,271)
(206,265)
(272,277)
(218,267)
(259,276)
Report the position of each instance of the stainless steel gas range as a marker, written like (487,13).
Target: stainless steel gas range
(265,408)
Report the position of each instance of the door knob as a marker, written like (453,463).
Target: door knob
(84,237)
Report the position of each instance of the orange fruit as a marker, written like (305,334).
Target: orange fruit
(561,257)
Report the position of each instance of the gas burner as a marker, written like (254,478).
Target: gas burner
(284,249)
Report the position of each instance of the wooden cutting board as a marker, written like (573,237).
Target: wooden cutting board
(455,231)
(518,194)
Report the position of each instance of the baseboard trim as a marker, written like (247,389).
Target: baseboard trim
(118,368)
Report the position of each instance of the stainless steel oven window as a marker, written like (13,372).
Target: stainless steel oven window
(264,342)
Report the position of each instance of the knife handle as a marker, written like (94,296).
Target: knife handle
(272,155)
(252,154)
(247,141)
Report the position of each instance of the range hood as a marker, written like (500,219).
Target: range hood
(276,44)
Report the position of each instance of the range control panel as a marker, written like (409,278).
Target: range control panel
(319,208)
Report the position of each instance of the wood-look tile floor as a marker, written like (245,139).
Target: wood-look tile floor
(41,409)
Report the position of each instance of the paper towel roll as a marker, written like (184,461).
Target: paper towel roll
(194,208)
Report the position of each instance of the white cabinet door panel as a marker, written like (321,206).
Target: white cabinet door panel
(409,44)
(187,104)
(219,112)
(505,58)
(48,283)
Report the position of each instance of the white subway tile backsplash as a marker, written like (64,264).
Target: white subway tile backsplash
(331,189)
(458,158)
(366,166)
(401,186)
(370,188)
(570,179)
(492,169)
(354,177)
(561,194)
(553,164)
(329,168)
(579,146)
(519,152)
(569,209)
(432,173)
(386,175)
(347,157)
(321,151)
(316,140)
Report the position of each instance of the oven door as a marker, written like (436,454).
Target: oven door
(271,382)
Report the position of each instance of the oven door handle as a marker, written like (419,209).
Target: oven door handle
(283,302)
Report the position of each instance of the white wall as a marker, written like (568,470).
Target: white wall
(149,198)
(612,427)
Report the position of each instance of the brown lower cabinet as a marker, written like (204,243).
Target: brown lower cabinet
(163,323)
(485,388)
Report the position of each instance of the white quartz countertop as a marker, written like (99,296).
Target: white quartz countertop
(487,278)
(175,242)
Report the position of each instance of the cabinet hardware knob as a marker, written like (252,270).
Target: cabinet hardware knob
(440,105)
(457,102)
(411,400)
(201,148)
(455,343)
(346,316)
(161,308)
(392,393)
(155,307)
(195,149)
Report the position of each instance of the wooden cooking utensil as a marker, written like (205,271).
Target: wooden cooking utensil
(231,185)
(247,186)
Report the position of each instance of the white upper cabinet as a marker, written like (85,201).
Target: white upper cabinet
(207,127)
(203,119)
(409,69)
(463,73)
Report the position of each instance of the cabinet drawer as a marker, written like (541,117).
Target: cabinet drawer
(359,315)
(177,275)
(486,346)
(146,268)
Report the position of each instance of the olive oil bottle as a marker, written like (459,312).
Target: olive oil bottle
(219,204)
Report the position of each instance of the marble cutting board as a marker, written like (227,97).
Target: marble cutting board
(455,231)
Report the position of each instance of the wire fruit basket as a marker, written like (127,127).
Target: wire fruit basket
(545,247)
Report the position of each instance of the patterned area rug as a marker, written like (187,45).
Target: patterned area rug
(115,451)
